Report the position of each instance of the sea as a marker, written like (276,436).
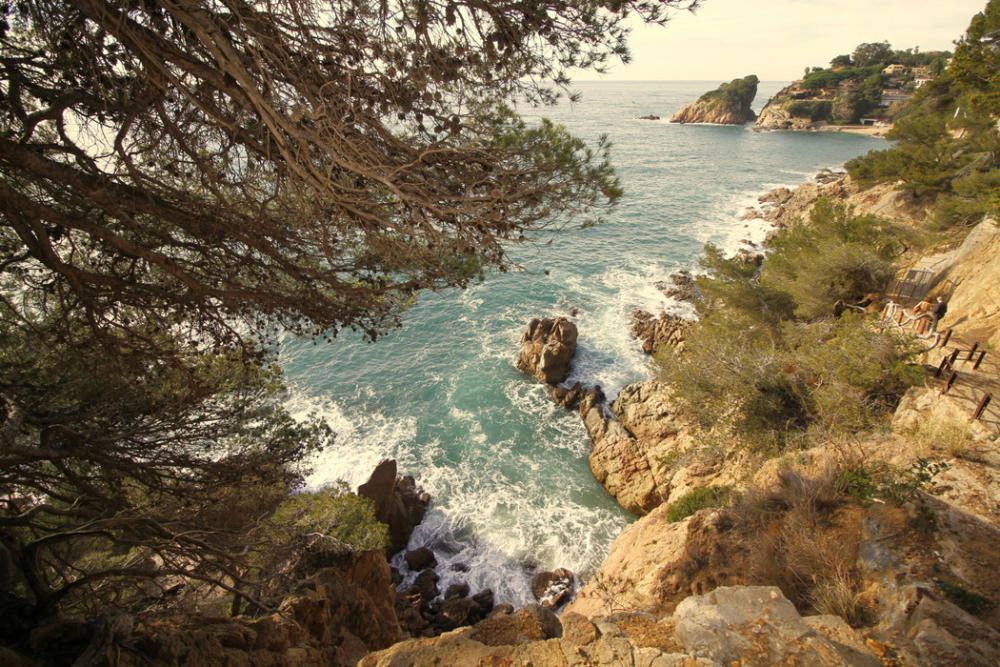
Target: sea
(507,467)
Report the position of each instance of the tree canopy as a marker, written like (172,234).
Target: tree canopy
(180,179)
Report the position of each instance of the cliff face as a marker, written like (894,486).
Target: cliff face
(776,114)
(729,104)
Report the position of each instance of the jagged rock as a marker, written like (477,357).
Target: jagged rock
(420,559)
(426,585)
(657,332)
(457,612)
(932,631)
(547,347)
(552,589)
(484,599)
(398,503)
(635,448)
(680,286)
(458,590)
(334,618)
(530,623)
(729,104)
(569,397)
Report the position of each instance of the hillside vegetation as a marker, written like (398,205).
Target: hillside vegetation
(948,143)
(874,81)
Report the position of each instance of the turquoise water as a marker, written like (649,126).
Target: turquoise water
(508,468)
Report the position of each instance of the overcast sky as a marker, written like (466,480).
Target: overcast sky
(777,39)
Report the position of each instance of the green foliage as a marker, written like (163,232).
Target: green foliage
(738,93)
(699,499)
(865,484)
(947,143)
(334,512)
(814,110)
(961,597)
(768,359)
(874,53)
(836,257)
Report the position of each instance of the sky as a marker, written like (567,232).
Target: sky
(777,39)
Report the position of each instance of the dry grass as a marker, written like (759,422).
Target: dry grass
(804,539)
(949,437)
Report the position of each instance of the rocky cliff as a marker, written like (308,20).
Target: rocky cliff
(729,104)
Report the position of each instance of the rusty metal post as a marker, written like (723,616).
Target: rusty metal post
(947,337)
(982,355)
(945,363)
(951,382)
(954,357)
(981,408)
(923,326)
(975,346)
(899,317)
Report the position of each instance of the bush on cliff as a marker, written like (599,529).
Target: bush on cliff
(767,357)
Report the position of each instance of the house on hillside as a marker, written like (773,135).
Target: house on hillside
(894,95)
(919,82)
(895,69)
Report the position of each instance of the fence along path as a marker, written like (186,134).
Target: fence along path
(966,372)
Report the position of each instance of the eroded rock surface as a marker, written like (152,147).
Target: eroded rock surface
(547,348)
(660,331)
(636,443)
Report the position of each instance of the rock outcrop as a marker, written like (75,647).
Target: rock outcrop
(398,503)
(729,104)
(778,113)
(661,331)
(335,617)
(636,444)
(751,626)
(681,286)
(547,348)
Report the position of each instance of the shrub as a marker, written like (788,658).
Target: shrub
(333,511)
(974,603)
(699,499)
(814,110)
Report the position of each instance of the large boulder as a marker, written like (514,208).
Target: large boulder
(547,348)
(398,503)
(552,589)
(757,625)
(729,104)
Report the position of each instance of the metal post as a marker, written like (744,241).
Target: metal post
(947,337)
(975,346)
(923,326)
(899,316)
(982,407)
(945,363)
(982,355)
(954,357)
(951,381)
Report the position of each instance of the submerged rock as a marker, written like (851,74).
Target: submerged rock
(569,397)
(547,348)
(729,104)
(420,559)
